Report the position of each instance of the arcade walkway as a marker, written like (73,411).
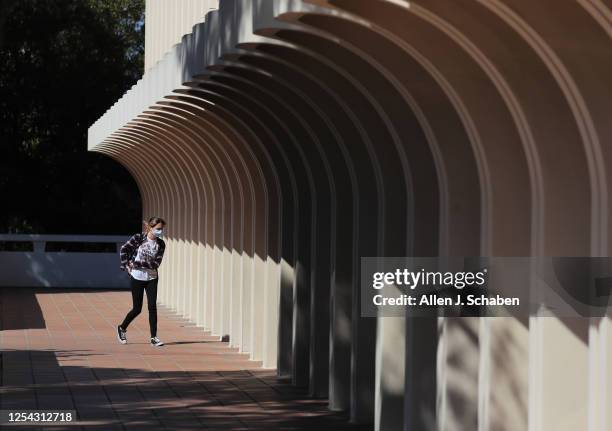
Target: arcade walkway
(59,350)
(285,140)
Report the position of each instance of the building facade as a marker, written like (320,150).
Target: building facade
(283,140)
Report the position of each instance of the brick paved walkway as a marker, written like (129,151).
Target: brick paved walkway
(59,351)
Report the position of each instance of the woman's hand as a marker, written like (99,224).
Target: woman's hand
(130,266)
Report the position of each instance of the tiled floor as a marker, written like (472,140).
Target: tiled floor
(59,351)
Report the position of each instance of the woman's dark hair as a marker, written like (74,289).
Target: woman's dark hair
(152,222)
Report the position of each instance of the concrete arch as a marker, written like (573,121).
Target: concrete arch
(219,241)
(344,192)
(398,211)
(173,116)
(271,126)
(356,128)
(224,141)
(174,134)
(153,143)
(364,197)
(322,185)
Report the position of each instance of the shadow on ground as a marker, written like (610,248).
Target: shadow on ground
(129,398)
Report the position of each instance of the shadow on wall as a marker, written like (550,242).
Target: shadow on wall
(32,260)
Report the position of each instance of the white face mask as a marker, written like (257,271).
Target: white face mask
(158,232)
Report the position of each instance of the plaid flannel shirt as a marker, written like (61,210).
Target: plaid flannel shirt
(128,253)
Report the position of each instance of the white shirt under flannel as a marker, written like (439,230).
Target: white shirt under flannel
(145,254)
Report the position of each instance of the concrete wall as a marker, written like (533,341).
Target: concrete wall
(294,137)
(41,268)
(166,21)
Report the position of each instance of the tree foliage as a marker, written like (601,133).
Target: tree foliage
(63,64)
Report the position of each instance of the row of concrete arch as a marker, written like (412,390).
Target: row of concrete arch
(301,136)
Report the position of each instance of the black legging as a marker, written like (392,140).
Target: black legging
(138,286)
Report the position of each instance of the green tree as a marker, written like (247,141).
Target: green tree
(63,64)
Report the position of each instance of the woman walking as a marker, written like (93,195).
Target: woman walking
(140,256)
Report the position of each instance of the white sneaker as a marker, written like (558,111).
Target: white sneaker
(156,342)
(121,335)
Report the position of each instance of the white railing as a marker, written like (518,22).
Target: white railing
(37,267)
